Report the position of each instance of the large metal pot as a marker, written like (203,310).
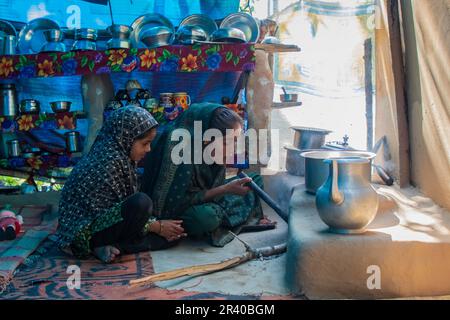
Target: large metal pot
(347,202)
(316,170)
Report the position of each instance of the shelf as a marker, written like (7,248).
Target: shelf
(24,173)
(42,165)
(280,105)
(27,122)
(274,48)
(174,58)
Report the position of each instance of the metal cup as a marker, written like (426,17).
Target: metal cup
(13,148)
(72,141)
(10,44)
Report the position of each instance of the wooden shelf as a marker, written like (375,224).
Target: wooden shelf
(24,173)
(274,48)
(280,105)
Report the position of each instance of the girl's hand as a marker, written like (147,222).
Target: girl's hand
(237,187)
(171,229)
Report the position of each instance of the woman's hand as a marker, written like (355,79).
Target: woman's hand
(237,186)
(170,229)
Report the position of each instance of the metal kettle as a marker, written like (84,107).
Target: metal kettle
(347,202)
(8,100)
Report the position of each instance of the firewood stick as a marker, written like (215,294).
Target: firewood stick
(193,270)
(212,267)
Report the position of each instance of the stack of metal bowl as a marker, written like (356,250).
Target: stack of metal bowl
(228,34)
(120,36)
(156,37)
(189,35)
(54,42)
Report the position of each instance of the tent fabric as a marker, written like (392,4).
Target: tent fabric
(94,14)
(418,134)
(427,43)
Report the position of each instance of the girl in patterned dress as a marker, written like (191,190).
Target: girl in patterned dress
(100,210)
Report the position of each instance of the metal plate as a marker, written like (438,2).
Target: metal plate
(31,37)
(200,20)
(147,21)
(244,22)
(7,28)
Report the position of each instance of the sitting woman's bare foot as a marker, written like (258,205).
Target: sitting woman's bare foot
(106,254)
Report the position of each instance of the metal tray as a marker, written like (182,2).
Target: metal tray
(7,28)
(147,21)
(31,37)
(200,20)
(244,22)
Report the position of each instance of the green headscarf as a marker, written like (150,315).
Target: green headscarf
(167,183)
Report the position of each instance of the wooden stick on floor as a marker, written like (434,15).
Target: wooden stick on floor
(193,270)
(212,267)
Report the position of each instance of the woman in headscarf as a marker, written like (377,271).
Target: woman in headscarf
(198,194)
(101,211)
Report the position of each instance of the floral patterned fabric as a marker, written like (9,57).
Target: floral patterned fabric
(105,176)
(27,122)
(176,58)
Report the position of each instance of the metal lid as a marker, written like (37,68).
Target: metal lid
(316,130)
(335,154)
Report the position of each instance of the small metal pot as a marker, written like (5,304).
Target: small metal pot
(60,106)
(73,141)
(309,138)
(28,106)
(295,164)
(288,97)
(13,148)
